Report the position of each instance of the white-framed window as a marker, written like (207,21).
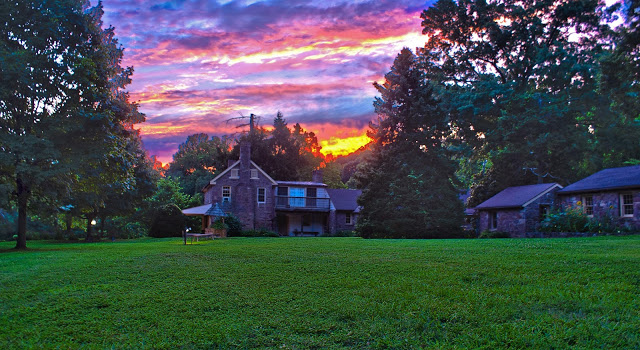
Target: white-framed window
(348,219)
(226,194)
(262,195)
(254,173)
(493,220)
(587,202)
(235,174)
(626,204)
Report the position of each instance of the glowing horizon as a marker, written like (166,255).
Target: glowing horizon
(199,63)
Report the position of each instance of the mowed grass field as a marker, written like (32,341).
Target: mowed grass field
(301,293)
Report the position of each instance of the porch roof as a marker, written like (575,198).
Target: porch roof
(195,211)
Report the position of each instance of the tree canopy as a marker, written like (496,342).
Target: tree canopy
(63,107)
(522,83)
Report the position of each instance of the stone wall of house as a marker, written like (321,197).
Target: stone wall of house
(532,211)
(509,220)
(244,198)
(341,221)
(606,203)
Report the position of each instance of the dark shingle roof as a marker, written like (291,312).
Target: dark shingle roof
(515,197)
(344,199)
(607,179)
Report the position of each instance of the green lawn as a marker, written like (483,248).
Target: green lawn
(322,293)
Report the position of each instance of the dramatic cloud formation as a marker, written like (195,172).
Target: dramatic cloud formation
(199,63)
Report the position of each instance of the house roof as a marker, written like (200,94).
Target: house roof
(213,182)
(301,183)
(517,197)
(201,210)
(344,199)
(607,179)
(216,211)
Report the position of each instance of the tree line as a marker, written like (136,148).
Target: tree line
(503,93)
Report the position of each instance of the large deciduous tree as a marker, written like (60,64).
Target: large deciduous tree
(407,182)
(518,79)
(197,160)
(62,104)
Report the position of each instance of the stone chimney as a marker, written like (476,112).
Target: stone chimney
(245,155)
(317,176)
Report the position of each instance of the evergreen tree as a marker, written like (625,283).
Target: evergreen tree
(407,181)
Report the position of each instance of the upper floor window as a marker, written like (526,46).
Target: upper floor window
(226,194)
(254,173)
(235,173)
(626,204)
(348,219)
(262,195)
(587,202)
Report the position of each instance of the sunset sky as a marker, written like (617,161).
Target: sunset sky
(198,63)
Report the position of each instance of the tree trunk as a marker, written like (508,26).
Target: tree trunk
(68,222)
(23,200)
(89,237)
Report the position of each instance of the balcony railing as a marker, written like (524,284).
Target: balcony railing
(302,203)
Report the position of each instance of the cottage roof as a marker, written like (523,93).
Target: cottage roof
(607,179)
(518,196)
(301,183)
(344,199)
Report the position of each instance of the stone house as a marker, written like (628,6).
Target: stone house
(260,202)
(611,192)
(517,210)
(344,209)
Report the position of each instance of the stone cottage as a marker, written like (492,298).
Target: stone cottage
(517,210)
(614,192)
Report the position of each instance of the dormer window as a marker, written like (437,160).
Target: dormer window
(254,173)
(235,174)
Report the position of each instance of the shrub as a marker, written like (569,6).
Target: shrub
(234,226)
(494,234)
(168,222)
(574,220)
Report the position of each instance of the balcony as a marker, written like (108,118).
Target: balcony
(287,203)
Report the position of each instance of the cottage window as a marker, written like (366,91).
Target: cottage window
(226,194)
(544,212)
(254,173)
(347,219)
(587,202)
(262,195)
(493,220)
(234,174)
(626,204)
